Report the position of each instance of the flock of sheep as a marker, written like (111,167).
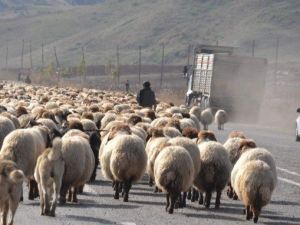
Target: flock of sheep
(55,138)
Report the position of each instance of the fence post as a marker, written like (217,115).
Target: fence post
(253,47)
(118,67)
(43,58)
(6,58)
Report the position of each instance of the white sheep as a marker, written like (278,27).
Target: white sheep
(6,126)
(79,164)
(255,154)
(174,173)
(48,174)
(207,118)
(196,110)
(127,161)
(221,118)
(254,185)
(23,146)
(215,170)
(11,180)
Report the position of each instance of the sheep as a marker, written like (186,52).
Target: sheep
(11,180)
(215,170)
(48,173)
(196,110)
(206,118)
(79,164)
(6,126)
(171,132)
(205,135)
(107,118)
(23,146)
(190,132)
(254,184)
(124,160)
(187,122)
(236,147)
(236,133)
(174,173)
(255,154)
(221,118)
(194,152)
(48,123)
(153,148)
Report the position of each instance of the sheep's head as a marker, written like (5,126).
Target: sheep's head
(190,132)
(88,115)
(21,111)
(118,129)
(8,169)
(174,123)
(134,119)
(186,115)
(206,135)
(246,144)
(155,132)
(150,114)
(236,133)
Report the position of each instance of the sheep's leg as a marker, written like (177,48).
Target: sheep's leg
(174,197)
(150,182)
(56,186)
(31,194)
(195,195)
(42,200)
(230,191)
(189,194)
(70,194)
(255,212)
(80,189)
(201,198)
(46,205)
(248,212)
(4,213)
(184,199)
(207,199)
(219,127)
(156,189)
(168,201)
(116,196)
(35,189)
(13,205)
(63,193)
(234,196)
(218,199)
(121,188)
(127,186)
(74,194)
(113,185)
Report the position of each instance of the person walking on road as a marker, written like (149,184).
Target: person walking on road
(146,97)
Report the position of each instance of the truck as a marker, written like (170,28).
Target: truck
(220,79)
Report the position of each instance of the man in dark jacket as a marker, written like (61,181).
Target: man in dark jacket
(146,97)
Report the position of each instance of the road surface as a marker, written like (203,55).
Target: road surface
(97,205)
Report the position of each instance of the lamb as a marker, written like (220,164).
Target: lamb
(79,164)
(221,118)
(174,173)
(215,170)
(11,180)
(254,184)
(6,126)
(48,173)
(23,146)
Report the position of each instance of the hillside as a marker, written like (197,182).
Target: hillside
(99,28)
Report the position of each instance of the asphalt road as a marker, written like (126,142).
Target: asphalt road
(97,206)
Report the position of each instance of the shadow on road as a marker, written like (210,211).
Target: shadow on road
(284,203)
(90,219)
(147,202)
(210,216)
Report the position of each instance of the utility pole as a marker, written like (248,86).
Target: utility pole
(162,65)
(30,55)
(43,58)
(83,64)
(22,55)
(276,55)
(140,63)
(118,66)
(6,58)
(188,56)
(57,65)
(253,47)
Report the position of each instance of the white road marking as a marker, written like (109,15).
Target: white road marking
(288,171)
(289,181)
